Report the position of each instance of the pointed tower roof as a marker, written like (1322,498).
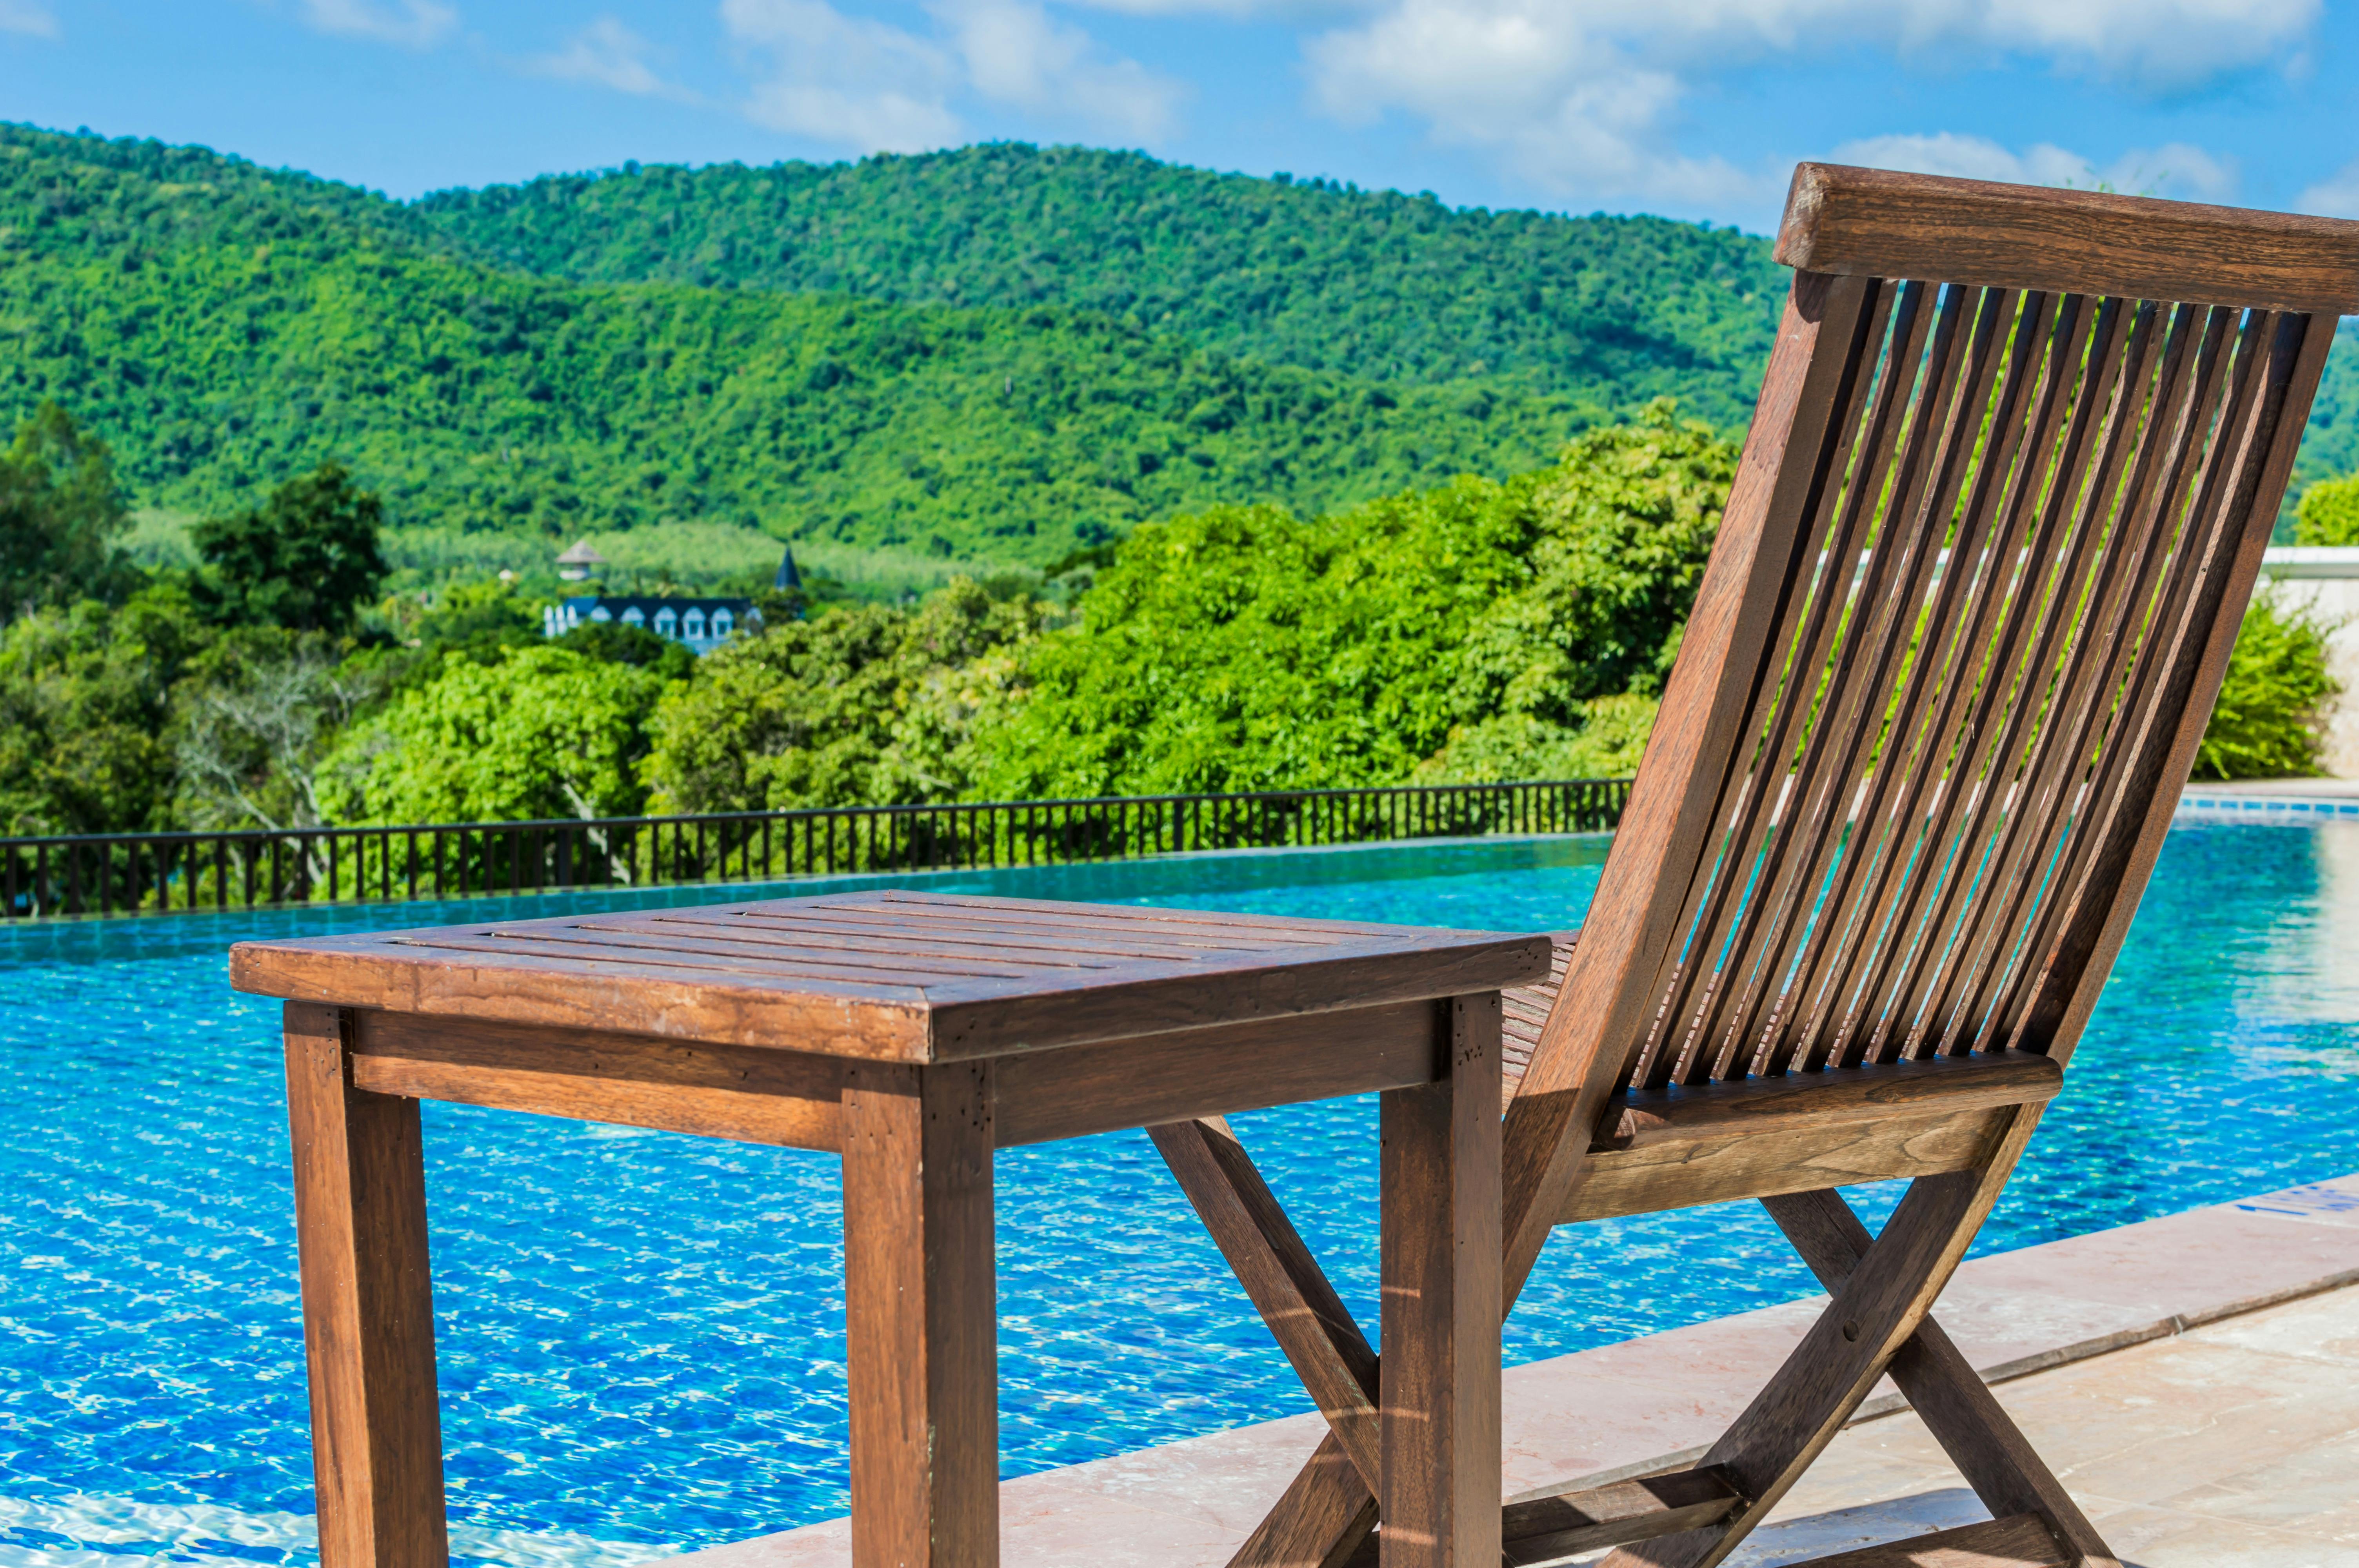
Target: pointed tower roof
(787,577)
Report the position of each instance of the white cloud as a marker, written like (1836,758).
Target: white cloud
(610,55)
(1265,10)
(29,17)
(2336,196)
(1582,94)
(415,23)
(1565,105)
(877,87)
(2176,169)
(860,84)
(2161,43)
(1015,53)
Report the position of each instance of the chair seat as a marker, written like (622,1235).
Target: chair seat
(1760,1137)
(1524,1011)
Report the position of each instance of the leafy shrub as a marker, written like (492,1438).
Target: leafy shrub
(2329,513)
(2265,722)
(1509,747)
(85,700)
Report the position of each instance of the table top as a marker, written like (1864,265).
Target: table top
(895,976)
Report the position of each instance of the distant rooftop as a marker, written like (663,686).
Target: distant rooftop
(574,565)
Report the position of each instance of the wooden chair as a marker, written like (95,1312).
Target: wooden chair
(2016,455)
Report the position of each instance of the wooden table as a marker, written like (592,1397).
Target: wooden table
(912,1034)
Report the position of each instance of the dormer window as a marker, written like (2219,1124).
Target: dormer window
(692,626)
(635,616)
(667,625)
(722,625)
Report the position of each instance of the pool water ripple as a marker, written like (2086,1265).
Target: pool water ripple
(642,1334)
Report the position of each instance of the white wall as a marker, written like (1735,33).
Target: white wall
(2327,582)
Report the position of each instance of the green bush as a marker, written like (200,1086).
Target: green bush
(2329,513)
(1606,744)
(85,700)
(2266,723)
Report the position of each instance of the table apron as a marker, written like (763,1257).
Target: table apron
(757,1095)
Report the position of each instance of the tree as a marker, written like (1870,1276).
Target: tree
(61,513)
(307,559)
(84,709)
(1244,648)
(634,645)
(867,705)
(253,720)
(542,733)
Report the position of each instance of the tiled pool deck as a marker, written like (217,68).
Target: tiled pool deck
(2231,1446)
(2194,1379)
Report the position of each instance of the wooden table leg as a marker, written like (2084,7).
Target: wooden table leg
(1440,1501)
(921,1321)
(368,1308)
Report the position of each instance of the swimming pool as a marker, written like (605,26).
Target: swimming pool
(641,1334)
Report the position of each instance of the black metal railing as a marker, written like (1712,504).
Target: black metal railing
(141,873)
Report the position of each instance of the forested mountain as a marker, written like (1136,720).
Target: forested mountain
(1371,283)
(988,355)
(225,332)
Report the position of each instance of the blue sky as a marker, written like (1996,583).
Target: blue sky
(1693,108)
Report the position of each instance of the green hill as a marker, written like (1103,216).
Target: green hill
(988,355)
(224,327)
(1365,283)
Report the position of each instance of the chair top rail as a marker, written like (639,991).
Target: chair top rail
(1869,222)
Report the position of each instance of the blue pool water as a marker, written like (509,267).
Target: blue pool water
(641,1334)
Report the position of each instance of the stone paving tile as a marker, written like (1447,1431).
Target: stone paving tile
(2242,1425)
(2157,1538)
(2231,1446)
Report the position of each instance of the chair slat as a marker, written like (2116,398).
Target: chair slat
(1833,590)
(2026,503)
(2130,768)
(2057,788)
(2004,719)
(1849,1027)
(2069,343)
(1902,861)
(2123,441)
(1822,871)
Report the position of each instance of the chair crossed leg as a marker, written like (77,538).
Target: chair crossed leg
(1428,1417)
(1878,1321)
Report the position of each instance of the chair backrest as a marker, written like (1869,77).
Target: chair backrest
(2002,501)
